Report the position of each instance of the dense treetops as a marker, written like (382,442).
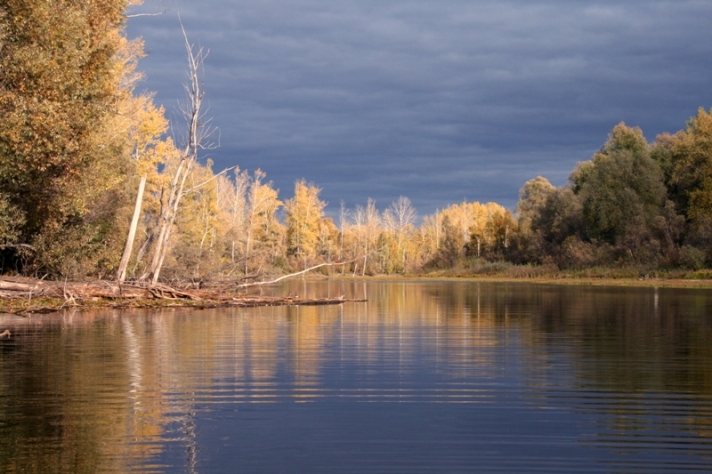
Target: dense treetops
(81,153)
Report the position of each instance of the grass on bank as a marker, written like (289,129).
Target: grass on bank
(599,275)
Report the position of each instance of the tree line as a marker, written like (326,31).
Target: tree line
(92,185)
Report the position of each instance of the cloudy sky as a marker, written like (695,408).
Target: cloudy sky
(437,100)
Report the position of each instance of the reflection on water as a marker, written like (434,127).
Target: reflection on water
(425,377)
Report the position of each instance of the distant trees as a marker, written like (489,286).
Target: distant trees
(688,156)
(91,186)
(632,203)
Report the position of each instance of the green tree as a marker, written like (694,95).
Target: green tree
(619,186)
(559,217)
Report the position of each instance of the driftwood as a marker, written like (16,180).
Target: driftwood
(133,294)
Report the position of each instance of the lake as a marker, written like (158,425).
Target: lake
(424,377)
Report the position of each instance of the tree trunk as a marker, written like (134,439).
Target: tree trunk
(165,235)
(121,273)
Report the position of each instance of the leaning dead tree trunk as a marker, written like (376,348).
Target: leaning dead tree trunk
(123,265)
(198,135)
(167,218)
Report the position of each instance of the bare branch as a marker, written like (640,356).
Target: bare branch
(198,131)
(198,186)
(291,275)
(19,246)
(136,15)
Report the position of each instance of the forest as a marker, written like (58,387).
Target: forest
(93,185)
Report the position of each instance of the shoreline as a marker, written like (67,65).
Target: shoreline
(563,280)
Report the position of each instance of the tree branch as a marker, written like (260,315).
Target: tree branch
(19,246)
(136,15)
(198,186)
(284,277)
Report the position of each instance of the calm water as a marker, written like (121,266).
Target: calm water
(425,377)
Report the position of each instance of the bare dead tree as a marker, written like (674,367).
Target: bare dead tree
(343,221)
(198,137)
(367,219)
(399,218)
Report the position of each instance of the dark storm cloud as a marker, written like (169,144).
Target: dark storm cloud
(439,101)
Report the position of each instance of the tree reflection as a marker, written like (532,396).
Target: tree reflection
(111,391)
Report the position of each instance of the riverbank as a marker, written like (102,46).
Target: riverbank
(21,296)
(651,283)
(598,276)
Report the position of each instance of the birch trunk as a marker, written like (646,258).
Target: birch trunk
(121,273)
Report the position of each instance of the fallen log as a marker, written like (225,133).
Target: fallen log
(131,294)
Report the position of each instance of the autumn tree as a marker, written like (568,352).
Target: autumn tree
(59,83)
(453,243)
(455,225)
(547,216)
(399,219)
(195,250)
(144,125)
(426,240)
(262,231)
(328,243)
(366,225)
(687,155)
(560,216)
(479,232)
(499,229)
(232,208)
(532,198)
(304,213)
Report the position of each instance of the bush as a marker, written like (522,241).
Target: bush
(699,275)
(692,258)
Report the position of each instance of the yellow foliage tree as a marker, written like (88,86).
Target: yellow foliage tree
(303,220)
(66,67)
(263,232)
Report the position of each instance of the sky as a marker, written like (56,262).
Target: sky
(439,100)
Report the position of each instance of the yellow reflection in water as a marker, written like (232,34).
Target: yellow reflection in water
(86,392)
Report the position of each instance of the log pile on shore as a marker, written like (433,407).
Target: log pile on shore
(18,294)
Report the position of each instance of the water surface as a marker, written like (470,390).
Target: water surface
(425,377)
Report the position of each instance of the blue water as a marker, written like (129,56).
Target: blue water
(425,377)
